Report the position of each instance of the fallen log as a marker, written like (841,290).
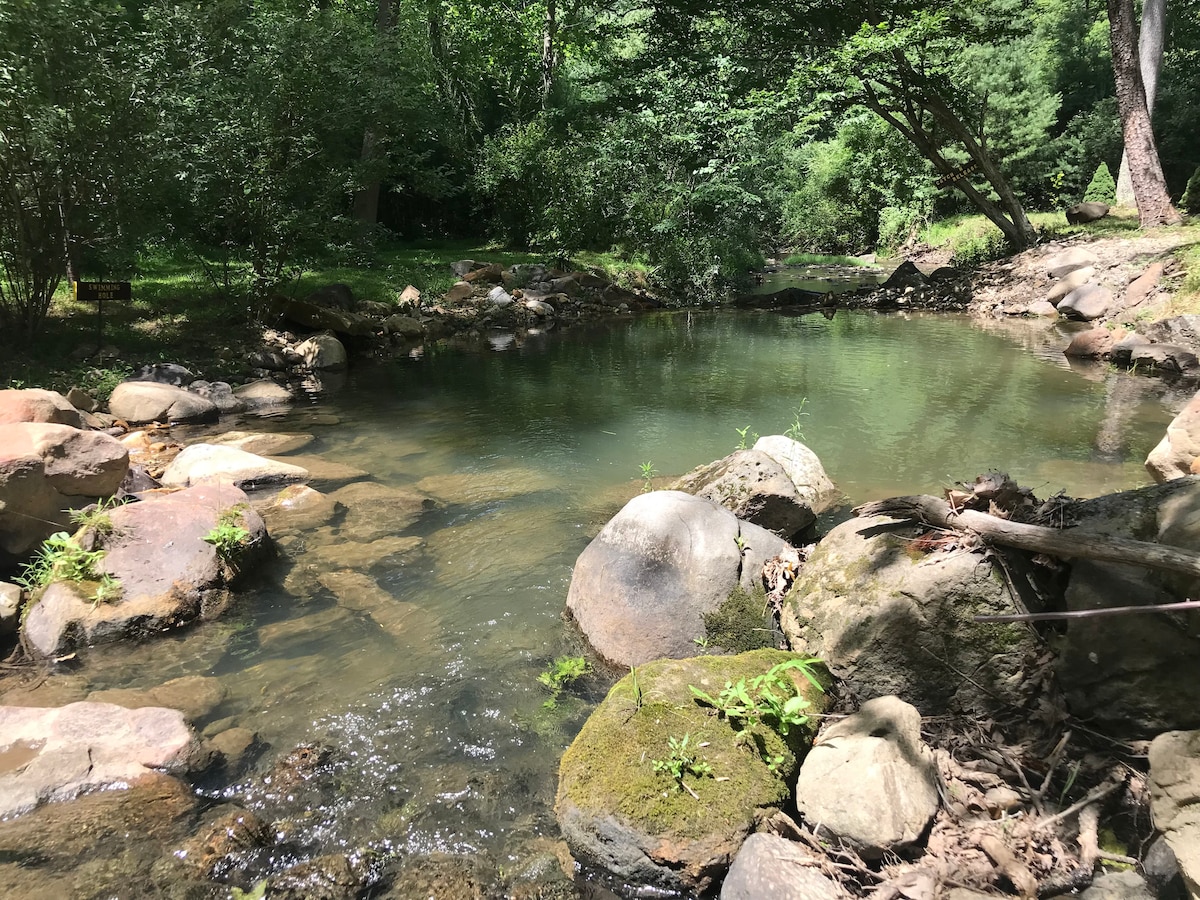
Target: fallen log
(1036,538)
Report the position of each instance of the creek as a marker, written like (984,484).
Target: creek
(440,738)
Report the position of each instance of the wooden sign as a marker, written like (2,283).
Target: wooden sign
(958,174)
(103,290)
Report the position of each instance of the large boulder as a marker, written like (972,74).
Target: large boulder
(1082,213)
(1095,342)
(641,588)
(1135,675)
(1174,789)
(201,463)
(1069,282)
(219,394)
(46,469)
(139,402)
(870,781)
(263,395)
(164,373)
(37,405)
(888,618)
(322,318)
(1181,330)
(1088,302)
(323,351)
(67,751)
(1163,358)
(906,275)
(1068,261)
(168,574)
(779,485)
(1180,446)
(619,812)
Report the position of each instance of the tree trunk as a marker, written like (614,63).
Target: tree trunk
(366,199)
(1145,170)
(549,34)
(1150,50)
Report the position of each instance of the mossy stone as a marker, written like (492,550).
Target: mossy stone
(619,814)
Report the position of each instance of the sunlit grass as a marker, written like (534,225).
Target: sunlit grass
(819,259)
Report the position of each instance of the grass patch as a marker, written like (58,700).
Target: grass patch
(818,259)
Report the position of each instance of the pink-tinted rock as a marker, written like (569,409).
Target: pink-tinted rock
(46,469)
(37,405)
(1139,289)
(1093,343)
(138,402)
(81,747)
(168,574)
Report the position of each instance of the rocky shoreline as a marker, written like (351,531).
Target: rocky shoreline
(1006,749)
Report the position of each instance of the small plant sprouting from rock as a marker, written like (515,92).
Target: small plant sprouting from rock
(794,431)
(684,760)
(562,672)
(770,698)
(742,432)
(229,536)
(96,517)
(60,558)
(648,475)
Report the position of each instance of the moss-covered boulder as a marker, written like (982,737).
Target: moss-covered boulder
(890,618)
(621,813)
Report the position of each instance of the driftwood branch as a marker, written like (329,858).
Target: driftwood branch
(1036,538)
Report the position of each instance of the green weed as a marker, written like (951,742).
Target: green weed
(742,439)
(684,760)
(561,673)
(229,536)
(96,517)
(819,259)
(648,475)
(770,698)
(60,558)
(794,430)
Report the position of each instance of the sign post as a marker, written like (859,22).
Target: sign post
(957,174)
(97,292)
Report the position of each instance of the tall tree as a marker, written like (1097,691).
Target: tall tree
(1150,54)
(1145,170)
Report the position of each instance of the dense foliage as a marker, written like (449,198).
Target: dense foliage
(696,136)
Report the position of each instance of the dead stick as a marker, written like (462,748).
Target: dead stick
(1092,613)
(1096,794)
(1051,541)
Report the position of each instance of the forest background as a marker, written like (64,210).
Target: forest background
(254,140)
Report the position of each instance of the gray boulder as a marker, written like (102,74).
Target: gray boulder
(1122,350)
(322,318)
(323,351)
(333,296)
(1174,787)
(47,469)
(1119,886)
(37,405)
(1070,282)
(1183,331)
(165,373)
(888,619)
(906,275)
(1138,674)
(275,443)
(1091,301)
(754,487)
(1163,358)
(1082,213)
(1067,261)
(219,393)
(263,395)
(803,467)
(869,780)
(769,867)
(641,588)
(201,463)
(1180,446)
(405,326)
(169,575)
(81,747)
(139,402)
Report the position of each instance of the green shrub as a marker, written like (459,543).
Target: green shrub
(1102,188)
(1190,201)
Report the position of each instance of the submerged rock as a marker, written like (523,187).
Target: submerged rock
(640,589)
(202,463)
(619,814)
(58,754)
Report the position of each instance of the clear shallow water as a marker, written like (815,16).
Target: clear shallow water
(421,674)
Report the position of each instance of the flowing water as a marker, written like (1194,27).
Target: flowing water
(419,668)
